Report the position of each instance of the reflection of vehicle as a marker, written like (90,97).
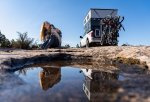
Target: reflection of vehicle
(95,84)
(49,77)
(101,27)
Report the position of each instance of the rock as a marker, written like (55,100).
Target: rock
(131,54)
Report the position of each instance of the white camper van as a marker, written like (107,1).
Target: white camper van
(93,28)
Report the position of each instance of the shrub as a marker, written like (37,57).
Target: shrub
(67,46)
(126,44)
(77,46)
(4,42)
(23,41)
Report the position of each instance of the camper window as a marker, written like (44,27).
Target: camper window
(97,33)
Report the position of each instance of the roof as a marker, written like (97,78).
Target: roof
(101,9)
(98,9)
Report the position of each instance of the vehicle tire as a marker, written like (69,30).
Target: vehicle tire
(87,43)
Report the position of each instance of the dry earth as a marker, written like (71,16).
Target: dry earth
(17,58)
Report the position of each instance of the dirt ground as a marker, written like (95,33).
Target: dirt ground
(10,57)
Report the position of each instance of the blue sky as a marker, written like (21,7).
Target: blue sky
(68,15)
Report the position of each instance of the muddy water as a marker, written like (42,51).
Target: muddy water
(75,83)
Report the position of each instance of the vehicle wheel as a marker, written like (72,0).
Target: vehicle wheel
(87,43)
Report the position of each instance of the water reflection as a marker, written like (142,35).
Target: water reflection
(49,76)
(9,81)
(96,84)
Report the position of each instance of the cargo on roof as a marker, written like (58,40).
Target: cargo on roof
(99,13)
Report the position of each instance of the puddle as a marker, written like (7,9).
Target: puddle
(60,83)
